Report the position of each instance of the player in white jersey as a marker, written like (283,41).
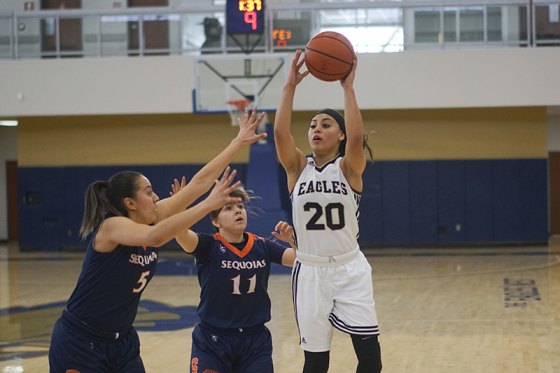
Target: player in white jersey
(331,279)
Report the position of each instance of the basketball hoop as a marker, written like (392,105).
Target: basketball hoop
(236,110)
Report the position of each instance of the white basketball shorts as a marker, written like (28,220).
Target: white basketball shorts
(332,291)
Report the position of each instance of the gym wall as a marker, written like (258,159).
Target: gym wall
(440,176)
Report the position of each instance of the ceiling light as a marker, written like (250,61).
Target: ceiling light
(8,123)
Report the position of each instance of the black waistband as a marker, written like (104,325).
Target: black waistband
(251,329)
(85,327)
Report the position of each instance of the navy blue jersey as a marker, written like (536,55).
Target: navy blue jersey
(234,280)
(109,288)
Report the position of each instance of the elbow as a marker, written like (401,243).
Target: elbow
(277,130)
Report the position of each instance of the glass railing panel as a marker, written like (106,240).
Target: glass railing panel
(371,30)
(6,37)
(202,33)
(174,26)
(291,30)
(28,36)
(156,29)
(494,31)
(91,36)
(427,26)
(61,36)
(503,25)
(140,34)
(383,31)
(114,34)
(471,24)
(547,25)
(514,26)
(450,26)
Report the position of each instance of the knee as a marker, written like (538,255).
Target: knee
(368,352)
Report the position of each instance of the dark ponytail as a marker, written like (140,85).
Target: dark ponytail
(106,198)
(367,148)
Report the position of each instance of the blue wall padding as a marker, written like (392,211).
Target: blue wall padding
(371,221)
(451,201)
(51,218)
(479,197)
(42,210)
(423,203)
(404,203)
(264,222)
(534,199)
(263,176)
(285,201)
(507,201)
(395,184)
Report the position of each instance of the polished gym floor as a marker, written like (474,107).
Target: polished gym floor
(441,310)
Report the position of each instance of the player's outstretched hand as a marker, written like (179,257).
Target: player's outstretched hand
(348,80)
(176,186)
(248,127)
(284,232)
(295,76)
(220,194)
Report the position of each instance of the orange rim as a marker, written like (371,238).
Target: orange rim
(239,104)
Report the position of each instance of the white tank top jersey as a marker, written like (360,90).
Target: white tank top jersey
(325,211)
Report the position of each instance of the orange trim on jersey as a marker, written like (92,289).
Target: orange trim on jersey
(235,250)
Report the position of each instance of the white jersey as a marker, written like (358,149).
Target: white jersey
(325,210)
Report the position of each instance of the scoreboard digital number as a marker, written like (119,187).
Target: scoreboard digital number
(245,16)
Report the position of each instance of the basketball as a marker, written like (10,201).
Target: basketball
(329,56)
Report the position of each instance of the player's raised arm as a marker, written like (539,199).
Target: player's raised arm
(291,157)
(121,230)
(204,179)
(354,162)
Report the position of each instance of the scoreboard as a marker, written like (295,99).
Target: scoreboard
(245,16)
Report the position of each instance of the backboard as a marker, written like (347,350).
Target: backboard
(226,77)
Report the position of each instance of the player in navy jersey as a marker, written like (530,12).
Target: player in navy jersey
(126,221)
(331,278)
(233,271)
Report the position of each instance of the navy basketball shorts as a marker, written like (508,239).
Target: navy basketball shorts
(231,350)
(75,350)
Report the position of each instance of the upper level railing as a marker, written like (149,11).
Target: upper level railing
(372,26)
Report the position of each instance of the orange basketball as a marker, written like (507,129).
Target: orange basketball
(329,56)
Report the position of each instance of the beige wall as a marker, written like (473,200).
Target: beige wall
(114,140)
(415,134)
(460,134)
(495,133)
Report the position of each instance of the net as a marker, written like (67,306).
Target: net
(236,110)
